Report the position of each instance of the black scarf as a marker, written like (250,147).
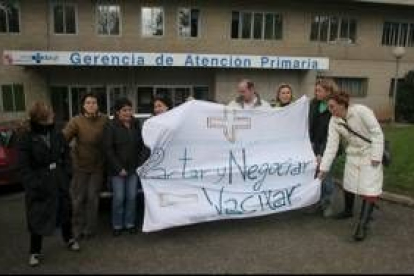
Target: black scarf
(40,128)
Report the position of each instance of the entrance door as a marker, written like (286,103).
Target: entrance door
(115,92)
(178,95)
(60,99)
(76,94)
(100,92)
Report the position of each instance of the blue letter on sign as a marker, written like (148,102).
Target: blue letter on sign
(75,58)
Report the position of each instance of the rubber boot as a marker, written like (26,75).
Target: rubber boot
(364,219)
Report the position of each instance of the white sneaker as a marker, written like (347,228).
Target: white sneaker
(73,245)
(34,260)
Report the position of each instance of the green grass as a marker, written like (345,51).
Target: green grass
(399,176)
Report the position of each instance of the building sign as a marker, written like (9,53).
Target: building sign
(38,58)
(211,162)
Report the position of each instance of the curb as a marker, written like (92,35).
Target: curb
(391,197)
(399,199)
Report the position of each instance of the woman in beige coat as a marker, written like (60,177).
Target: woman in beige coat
(363,173)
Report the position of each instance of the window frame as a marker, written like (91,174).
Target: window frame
(12,85)
(18,7)
(340,19)
(409,39)
(275,16)
(108,3)
(172,96)
(364,85)
(53,4)
(142,22)
(198,22)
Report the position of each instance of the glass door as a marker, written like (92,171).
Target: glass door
(115,92)
(181,94)
(144,99)
(59,96)
(100,92)
(76,94)
(178,95)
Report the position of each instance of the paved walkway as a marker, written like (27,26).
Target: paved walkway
(293,242)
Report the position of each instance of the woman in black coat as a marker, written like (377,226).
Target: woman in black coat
(125,152)
(44,165)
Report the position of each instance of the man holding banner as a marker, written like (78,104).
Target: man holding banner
(248,97)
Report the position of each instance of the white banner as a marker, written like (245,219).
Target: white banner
(81,58)
(211,162)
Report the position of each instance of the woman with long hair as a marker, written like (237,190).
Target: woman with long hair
(319,117)
(284,95)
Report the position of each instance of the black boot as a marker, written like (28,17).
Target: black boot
(349,199)
(364,219)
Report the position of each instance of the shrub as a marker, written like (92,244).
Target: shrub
(405,99)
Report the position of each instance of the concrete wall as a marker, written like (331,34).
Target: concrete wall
(366,58)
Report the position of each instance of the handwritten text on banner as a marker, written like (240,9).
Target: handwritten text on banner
(210,162)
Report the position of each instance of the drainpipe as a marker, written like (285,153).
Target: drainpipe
(48,48)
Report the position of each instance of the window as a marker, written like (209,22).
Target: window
(59,96)
(152,21)
(188,22)
(108,15)
(356,87)
(177,94)
(398,34)
(64,18)
(13,99)
(333,29)
(144,99)
(256,25)
(201,93)
(9,17)
(66,100)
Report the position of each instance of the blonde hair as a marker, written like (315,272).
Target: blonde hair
(328,84)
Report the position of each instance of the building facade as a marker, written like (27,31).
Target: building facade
(57,50)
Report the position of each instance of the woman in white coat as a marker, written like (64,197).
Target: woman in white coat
(363,173)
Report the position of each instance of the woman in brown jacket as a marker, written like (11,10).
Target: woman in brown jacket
(88,160)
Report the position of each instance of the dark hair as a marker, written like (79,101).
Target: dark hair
(84,97)
(122,102)
(164,99)
(249,83)
(341,97)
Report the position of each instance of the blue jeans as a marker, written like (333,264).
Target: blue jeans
(328,186)
(124,201)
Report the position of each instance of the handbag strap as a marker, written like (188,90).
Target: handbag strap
(355,133)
